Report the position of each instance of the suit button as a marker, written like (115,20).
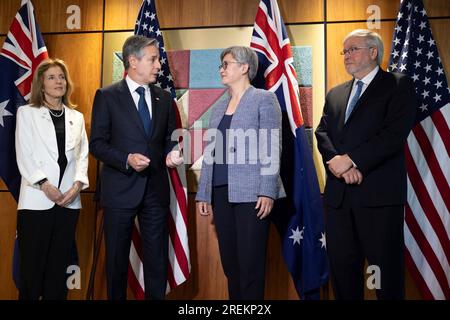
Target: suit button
(232,149)
(342,141)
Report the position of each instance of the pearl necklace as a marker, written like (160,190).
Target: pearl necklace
(56,115)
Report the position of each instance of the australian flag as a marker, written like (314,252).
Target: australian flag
(299,217)
(22,51)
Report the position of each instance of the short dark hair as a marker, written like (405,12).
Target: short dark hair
(134,46)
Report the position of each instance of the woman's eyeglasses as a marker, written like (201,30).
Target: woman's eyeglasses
(225,64)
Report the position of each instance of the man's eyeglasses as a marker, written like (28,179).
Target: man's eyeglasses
(352,50)
(225,64)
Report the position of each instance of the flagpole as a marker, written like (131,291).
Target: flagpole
(98,237)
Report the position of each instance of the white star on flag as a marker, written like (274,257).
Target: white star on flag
(323,240)
(4,112)
(297,235)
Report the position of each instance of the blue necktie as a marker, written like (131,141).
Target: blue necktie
(355,99)
(143,110)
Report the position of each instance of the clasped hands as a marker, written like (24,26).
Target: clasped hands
(61,199)
(342,167)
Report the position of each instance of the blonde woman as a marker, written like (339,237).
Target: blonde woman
(52,156)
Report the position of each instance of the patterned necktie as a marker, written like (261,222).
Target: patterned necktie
(355,99)
(143,110)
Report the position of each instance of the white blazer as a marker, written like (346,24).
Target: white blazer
(37,155)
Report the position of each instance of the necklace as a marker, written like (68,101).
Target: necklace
(56,115)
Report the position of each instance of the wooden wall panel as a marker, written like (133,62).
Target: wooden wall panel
(440,29)
(8,10)
(197,13)
(121,14)
(437,8)
(8,213)
(85,243)
(82,53)
(336,73)
(52,17)
(347,10)
(294,11)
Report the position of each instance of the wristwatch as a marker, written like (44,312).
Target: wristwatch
(41,182)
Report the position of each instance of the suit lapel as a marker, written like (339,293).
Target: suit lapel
(156,100)
(219,113)
(127,103)
(343,103)
(367,94)
(70,128)
(47,131)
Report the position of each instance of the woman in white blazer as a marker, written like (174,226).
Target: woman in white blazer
(52,156)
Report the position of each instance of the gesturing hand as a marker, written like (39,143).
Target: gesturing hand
(174,159)
(138,161)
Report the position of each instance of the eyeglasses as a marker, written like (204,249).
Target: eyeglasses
(352,50)
(225,64)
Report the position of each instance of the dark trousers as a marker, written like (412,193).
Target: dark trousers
(242,243)
(152,217)
(45,243)
(358,233)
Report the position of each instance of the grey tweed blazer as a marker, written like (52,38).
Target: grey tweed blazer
(253,171)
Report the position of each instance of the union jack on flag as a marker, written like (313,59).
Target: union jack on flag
(299,217)
(179,260)
(427,212)
(22,51)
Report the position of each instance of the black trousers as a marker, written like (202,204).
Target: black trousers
(373,233)
(45,243)
(242,244)
(153,224)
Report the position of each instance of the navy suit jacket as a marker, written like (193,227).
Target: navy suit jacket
(374,137)
(116,131)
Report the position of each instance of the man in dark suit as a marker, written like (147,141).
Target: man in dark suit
(361,137)
(132,124)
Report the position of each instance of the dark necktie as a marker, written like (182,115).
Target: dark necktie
(143,110)
(355,99)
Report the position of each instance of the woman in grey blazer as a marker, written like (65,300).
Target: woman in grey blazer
(240,173)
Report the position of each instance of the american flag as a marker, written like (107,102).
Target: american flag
(299,218)
(427,217)
(179,261)
(22,51)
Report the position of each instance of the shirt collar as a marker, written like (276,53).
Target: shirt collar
(369,77)
(133,85)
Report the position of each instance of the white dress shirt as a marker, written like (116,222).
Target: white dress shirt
(132,85)
(366,80)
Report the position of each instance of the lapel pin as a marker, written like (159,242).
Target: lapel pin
(157,98)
